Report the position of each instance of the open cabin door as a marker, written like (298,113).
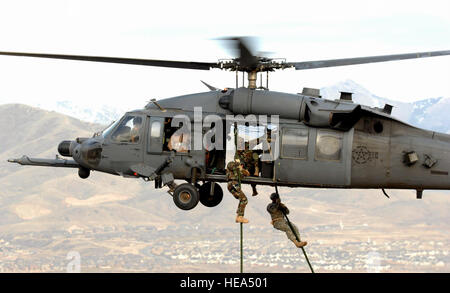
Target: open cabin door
(314,156)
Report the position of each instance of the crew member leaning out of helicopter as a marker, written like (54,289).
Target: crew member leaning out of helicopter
(175,140)
(277,210)
(235,172)
(179,142)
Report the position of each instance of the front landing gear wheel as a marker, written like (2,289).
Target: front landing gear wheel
(186,196)
(210,198)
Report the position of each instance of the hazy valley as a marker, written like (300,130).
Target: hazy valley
(119,224)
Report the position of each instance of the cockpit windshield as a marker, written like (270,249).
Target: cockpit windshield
(128,130)
(107,131)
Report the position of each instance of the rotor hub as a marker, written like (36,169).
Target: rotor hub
(262,64)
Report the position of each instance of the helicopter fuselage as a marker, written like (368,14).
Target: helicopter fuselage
(318,142)
(308,141)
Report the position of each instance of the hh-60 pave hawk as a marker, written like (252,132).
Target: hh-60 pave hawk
(314,142)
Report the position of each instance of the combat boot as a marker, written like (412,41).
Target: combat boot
(300,244)
(241,219)
(255,192)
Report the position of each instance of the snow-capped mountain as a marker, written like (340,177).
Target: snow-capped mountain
(431,113)
(101,114)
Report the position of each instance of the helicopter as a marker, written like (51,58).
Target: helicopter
(301,140)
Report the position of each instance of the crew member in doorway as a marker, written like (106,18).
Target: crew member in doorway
(250,159)
(180,142)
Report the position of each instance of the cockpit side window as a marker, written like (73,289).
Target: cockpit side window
(129,130)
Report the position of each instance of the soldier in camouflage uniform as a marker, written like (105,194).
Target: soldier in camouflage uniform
(250,159)
(235,172)
(277,210)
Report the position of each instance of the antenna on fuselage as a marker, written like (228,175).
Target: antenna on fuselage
(158,105)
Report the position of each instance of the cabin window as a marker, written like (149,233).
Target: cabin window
(154,137)
(295,143)
(328,145)
(155,130)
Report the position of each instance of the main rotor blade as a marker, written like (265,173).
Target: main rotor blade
(242,47)
(364,60)
(146,62)
(246,56)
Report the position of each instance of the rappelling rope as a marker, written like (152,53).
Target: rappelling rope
(296,236)
(242,248)
(239,180)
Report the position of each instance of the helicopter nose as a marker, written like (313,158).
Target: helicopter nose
(91,152)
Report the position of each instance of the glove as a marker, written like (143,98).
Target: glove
(284,209)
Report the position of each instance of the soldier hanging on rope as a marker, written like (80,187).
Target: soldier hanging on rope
(277,211)
(235,172)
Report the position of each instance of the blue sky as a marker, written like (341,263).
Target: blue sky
(184,30)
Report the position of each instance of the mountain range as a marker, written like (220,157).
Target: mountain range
(429,113)
(53,200)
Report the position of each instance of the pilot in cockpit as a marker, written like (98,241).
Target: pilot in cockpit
(134,133)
